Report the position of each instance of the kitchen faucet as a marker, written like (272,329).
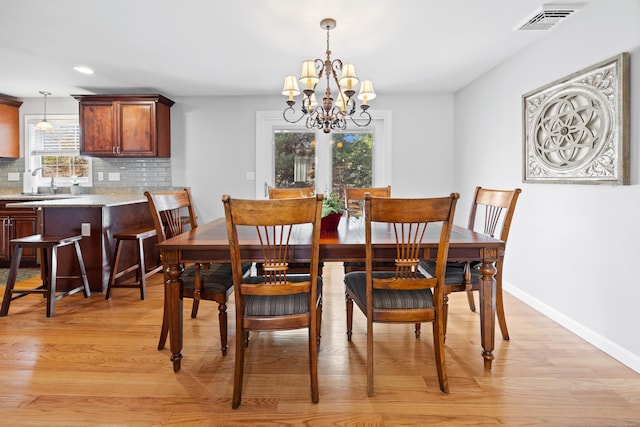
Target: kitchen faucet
(54,187)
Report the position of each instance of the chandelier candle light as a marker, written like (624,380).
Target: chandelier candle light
(328,115)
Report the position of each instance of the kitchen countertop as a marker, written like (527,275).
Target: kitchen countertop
(72,201)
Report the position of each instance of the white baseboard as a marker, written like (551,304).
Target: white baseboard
(619,353)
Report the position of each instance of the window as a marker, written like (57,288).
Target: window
(294,159)
(352,160)
(350,154)
(58,150)
(293,156)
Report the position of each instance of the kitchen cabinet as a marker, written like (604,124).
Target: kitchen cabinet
(17,222)
(9,127)
(125,125)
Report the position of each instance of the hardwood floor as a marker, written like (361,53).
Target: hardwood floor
(96,363)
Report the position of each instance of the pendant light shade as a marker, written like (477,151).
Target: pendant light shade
(44,125)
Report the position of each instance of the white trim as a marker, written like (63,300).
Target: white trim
(267,121)
(619,353)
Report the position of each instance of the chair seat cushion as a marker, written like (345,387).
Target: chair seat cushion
(279,305)
(356,286)
(454,274)
(216,279)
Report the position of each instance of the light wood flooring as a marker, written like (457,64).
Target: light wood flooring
(96,363)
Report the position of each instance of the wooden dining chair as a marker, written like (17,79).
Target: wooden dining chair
(173,213)
(293,193)
(403,295)
(354,197)
(275,300)
(491,213)
(354,201)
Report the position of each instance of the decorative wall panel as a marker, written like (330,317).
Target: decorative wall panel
(576,129)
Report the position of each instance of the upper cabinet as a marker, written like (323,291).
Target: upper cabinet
(9,127)
(125,125)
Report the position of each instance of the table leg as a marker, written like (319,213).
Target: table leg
(173,306)
(487,311)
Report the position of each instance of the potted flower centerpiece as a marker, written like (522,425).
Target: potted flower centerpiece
(332,208)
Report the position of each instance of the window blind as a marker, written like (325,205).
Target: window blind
(63,140)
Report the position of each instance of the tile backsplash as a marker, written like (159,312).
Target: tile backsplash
(132,173)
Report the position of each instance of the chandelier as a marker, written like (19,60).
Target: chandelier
(328,115)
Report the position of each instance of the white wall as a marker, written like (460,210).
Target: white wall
(213,146)
(213,143)
(573,248)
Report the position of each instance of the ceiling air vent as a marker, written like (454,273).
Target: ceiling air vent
(548,16)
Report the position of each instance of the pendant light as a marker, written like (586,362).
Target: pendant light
(44,125)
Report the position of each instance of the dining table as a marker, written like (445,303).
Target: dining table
(209,243)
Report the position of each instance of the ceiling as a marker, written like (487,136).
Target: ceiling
(246,47)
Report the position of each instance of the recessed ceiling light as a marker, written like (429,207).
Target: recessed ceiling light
(83,70)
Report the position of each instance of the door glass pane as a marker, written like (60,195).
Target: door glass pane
(352,161)
(294,159)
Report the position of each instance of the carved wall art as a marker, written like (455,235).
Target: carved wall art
(576,129)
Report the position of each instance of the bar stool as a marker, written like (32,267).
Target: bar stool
(141,270)
(48,248)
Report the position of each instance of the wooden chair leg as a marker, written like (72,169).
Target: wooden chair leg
(349,303)
(470,299)
(438,345)
(238,373)
(318,323)
(369,357)
(197,288)
(445,310)
(141,273)
(313,364)
(222,320)
(164,331)
(417,330)
(467,282)
(194,307)
(500,306)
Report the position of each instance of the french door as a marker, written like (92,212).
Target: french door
(288,156)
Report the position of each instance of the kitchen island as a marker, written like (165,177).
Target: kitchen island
(97,217)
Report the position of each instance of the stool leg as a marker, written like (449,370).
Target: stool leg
(142,269)
(52,256)
(44,270)
(83,271)
(114,269)
(11,280)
